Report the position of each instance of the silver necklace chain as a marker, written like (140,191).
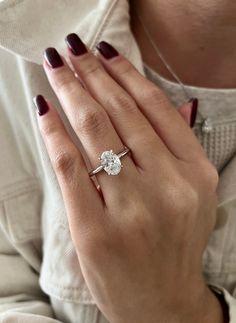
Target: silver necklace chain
(206,123)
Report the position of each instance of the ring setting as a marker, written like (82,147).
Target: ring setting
(110,162)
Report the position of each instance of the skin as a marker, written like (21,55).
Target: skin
(141,229)
(196,38)
(141,237)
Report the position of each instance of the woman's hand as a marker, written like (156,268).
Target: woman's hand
(140,238)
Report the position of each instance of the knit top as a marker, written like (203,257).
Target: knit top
(217,104)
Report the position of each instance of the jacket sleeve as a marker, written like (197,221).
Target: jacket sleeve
(21,299)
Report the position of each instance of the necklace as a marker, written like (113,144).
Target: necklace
(206,123)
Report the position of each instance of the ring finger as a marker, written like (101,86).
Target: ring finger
(128,120)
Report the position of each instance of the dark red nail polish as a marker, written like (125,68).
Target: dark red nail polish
(52,57)
(107,50)
(193,111)
(75,44)
(41,104)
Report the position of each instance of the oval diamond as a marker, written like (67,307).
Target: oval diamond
(111,162)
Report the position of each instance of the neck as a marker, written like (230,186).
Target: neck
(212,20)
(203,31)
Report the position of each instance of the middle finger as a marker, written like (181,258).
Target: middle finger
(89,120)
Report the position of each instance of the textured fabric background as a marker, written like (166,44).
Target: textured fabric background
(219,105)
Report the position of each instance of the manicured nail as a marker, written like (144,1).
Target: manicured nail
(107,50)
(52,57)
(75,44)
(194,109)
(41,104)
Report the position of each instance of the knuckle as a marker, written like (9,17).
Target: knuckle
(48,129)
(121,102)
(210,174)
(92,121)
(65,83)
(65,163)
(91,67)
(183,199)
(154,95)
(124,67)
(190,198)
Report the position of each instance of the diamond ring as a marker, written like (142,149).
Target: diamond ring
(110,162)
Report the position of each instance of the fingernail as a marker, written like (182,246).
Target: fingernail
(194,109)
(52,57)
(41,104)
(75,44)
(107,50)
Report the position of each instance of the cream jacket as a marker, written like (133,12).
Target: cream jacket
(40,277)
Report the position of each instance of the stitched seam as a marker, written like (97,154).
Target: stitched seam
(80,289)
(77,297)
(16,183)
(20,192)
(74,299)
(29,234)
(224,244)
(104,23)
(5,216)
(28,186)
(48,284)
(106,20)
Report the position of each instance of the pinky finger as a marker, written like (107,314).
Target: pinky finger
(81,198)
(185,112)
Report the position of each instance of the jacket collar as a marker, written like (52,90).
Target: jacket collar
(27,27)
